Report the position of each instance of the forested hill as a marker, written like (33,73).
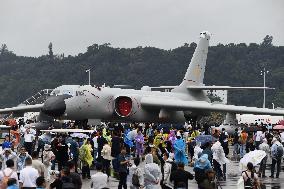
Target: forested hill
(231,64)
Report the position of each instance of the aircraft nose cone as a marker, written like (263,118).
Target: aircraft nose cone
(55,105)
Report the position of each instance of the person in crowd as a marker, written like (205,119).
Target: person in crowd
(207,150)
(76,178)
(191,145)
(264,147)
(197,151)
(201,165)
(180,176)
(62,153)
(28,175)
(21,159)
(101,141)
(219,159)
(276,155)
(179,150)
(250,177)
(106,158)
(172,137)
(258,138)
(7,154)
(243,140)
(63,180)
(38,165)
(40,183)
(224,141)
(236,143)
(48,157)
(152,172)
(12,184)
(8,172)
(6,143)
(99,179)
(123,163)
(209,181)
(139,141)
(155,153)
(29,137)
(74,151)
(85,155)
(158,138)
(136,175)
(95,146)
(116,143)
(168,167)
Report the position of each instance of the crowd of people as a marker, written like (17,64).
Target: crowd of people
(142,155)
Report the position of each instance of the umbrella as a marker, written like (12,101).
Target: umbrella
(254,157)
(279,127)
(79,135)
(204,139)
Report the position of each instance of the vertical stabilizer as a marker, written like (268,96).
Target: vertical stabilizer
(195,71)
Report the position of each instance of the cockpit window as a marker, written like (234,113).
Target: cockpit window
(79,93)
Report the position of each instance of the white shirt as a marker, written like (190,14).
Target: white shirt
(95,140)
(7,172)
(258,136)
(99,180)
(28,176)
(29,137)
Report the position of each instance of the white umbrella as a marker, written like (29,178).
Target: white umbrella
(79,135)
(254,157)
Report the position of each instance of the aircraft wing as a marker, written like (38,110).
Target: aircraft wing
(226,88)
(22,108)
(181,105)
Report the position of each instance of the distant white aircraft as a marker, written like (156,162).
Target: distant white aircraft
(185,101)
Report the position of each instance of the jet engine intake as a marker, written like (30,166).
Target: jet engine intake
(123,106)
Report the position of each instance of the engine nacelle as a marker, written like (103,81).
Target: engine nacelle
(123,106)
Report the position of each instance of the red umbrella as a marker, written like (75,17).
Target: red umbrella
(279,127)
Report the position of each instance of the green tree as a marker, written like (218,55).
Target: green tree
(267,41)
(50,51)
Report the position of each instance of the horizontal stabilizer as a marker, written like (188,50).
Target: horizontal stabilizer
(181,105)
(227,88)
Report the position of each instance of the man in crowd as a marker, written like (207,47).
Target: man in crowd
(28,175)
(29,136)
(99,179)
(6,155)
(22,159)
(276,155)
(76,178)
(180,176)
(38,165)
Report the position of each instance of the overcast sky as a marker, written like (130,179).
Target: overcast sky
(27,26)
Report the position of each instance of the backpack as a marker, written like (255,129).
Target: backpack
(279,152)
(249,183)
(135,178)
(68,185)
(5,179)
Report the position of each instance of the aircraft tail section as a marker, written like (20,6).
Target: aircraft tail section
(195,71)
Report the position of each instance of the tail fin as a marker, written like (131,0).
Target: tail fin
(195,71)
